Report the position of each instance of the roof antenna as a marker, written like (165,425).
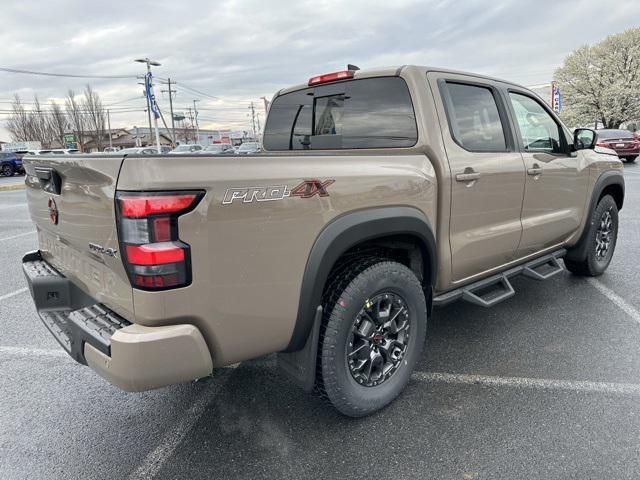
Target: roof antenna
(352,67)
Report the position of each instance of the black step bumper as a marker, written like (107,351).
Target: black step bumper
(72,316)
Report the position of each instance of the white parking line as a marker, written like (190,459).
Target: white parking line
(154,461)
(620,302)
(531,383)
(18,236)
(13,294)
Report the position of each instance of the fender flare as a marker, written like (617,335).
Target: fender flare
(345,232)
(606,179)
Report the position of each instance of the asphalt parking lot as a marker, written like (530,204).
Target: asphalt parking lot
(545,385)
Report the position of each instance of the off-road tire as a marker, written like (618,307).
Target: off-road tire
(591,265)
(7,170)
(348,291)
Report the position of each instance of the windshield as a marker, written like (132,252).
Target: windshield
(604,134)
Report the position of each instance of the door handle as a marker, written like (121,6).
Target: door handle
(535,170)
(468,176)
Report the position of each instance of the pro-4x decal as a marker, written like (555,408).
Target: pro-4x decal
(306,189)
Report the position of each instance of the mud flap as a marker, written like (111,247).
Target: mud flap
(300,366)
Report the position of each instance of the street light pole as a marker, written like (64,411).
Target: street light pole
(155,118)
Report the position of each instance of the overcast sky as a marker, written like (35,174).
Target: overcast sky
(241,50)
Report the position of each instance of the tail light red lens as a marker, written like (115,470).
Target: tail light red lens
(153,254)
(145,204)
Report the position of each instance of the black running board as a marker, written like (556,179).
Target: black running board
(495,289)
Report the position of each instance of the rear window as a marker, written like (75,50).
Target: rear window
(604,134)
(367,113)
(474,118)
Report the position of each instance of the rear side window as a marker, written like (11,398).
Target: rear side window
(474,119)
(367,113)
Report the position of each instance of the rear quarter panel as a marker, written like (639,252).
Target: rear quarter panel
(248,259)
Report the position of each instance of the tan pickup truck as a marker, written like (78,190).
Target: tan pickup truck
(380,194)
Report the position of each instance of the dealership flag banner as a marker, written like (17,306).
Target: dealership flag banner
(152,98)
(556,98)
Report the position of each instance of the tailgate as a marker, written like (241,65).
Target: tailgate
(71,201)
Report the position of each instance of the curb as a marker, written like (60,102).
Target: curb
(15,186)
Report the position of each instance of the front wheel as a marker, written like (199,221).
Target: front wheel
(374,330)
(601,240)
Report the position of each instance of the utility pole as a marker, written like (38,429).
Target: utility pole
(149,93)
(109,129)
(253,119)
(173,123)
(258,120)
(190,119)
(137,137)
(195,111)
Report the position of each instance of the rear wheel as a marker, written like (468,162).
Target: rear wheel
(373,334)
(601,240)
(630,159)
(7,170)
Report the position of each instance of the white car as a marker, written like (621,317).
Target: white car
(138,151)
(63,151)
(186,149)
(218,149)
(248,148)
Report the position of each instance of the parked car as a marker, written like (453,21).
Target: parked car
(186,149)
(248,148)
(10,164)
(38,152)
(218,149)
(111,150)
(622,141)
(138,151)
(395,190)
(63,151)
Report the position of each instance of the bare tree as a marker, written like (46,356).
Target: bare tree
(58,123)
(18,123)
(39,124)
(602,82)
(95,116)
(76,117)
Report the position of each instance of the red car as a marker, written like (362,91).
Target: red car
(622,141)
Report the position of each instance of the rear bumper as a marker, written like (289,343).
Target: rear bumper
(130,356)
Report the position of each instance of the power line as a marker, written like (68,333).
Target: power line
(193,90)
(69,75)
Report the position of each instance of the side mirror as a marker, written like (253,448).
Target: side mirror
(584,138)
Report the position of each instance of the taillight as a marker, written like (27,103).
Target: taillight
(153,254)
(600,144)
(331,77)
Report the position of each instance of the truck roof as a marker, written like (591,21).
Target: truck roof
(397,70)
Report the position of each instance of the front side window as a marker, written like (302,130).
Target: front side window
(474,118)
(538,130)
(367,113)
